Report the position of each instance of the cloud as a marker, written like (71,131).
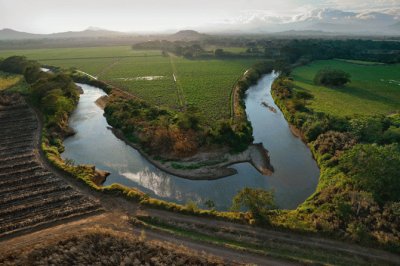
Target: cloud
(360,5)
(319,19)
(138,15)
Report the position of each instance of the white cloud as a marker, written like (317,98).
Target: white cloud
(360,5)
(137,15)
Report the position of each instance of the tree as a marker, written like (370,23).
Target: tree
(392,134)
(367,129)
(333,142)
(257,201)
(374,169)
(219,52)
(331,77)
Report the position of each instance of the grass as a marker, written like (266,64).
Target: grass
(204,84)
(128,74)
(76,53)
(273,248)
(8,80)
(13,83)
(374,89)
(103,246)
(207,84)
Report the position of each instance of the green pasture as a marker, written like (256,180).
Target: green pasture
(374,89)
(204,84)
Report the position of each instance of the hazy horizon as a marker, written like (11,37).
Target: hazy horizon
(45,16)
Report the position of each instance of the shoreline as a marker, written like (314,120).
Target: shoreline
(213,164)
(255,154)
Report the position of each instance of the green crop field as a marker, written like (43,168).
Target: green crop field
(162,80)
(374,89)
(85,52)
(207,84)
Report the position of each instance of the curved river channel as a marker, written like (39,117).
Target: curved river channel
(295,177)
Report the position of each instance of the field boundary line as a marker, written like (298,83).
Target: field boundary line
(233,94)
(109,67)
(96,57)
(181,97)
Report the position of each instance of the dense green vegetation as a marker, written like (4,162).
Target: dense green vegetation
(331,77)
(257,201)
(374,89)
(56,95)
(303,51)
(167,133)
(159,130)
(199,50)
(357,196)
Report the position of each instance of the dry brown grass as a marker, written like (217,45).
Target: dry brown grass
(106,247)
(8,81)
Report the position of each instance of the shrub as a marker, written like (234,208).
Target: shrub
(331,77)
(391,135)
(257,201)
(374,169)
(367,129)
(333,143)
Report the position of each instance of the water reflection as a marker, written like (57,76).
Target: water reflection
(295,176)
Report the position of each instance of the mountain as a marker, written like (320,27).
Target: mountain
(348,22)
(323,19)
(91,32)
(187,35)
(305,33)
(9,34)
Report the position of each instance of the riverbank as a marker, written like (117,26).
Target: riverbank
(208,164)
(162,178)
(332,145)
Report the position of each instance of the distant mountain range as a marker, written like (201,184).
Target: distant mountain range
(324,22)
(382,22)
(9,34)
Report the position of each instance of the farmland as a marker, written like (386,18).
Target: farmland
(30,195)
(374,89)
(161,80)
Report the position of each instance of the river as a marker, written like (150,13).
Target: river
(295,177)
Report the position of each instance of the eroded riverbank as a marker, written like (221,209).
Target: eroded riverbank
(294,179)
(206,164)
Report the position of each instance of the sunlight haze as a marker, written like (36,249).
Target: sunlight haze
(45,16)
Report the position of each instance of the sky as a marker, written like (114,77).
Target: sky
(48,16)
